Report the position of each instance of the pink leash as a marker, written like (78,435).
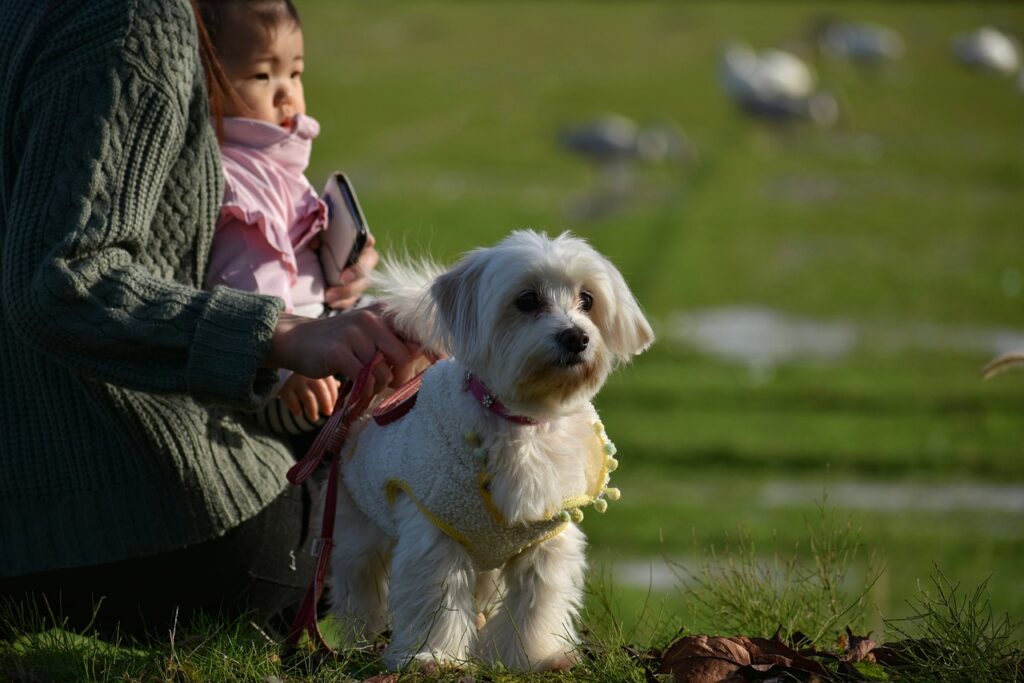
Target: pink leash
(330,440)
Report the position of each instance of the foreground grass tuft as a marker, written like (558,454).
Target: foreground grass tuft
(39,647)
(954,636)
(806,592)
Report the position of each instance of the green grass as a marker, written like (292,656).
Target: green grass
(952,635)
(911,211)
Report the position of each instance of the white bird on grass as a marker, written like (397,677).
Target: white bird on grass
(610,143)
(769,75)
(607,138)
(615,144)
(988,49)
(862,43)
(614,138)
(774,85)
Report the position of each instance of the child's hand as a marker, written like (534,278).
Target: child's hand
(355,279)
(310,397)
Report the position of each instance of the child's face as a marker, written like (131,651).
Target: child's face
(268,77)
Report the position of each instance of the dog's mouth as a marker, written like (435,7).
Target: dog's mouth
(570,360)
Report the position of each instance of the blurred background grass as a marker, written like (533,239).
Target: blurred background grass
(907,215)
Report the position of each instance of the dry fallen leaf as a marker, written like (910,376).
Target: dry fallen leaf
(858,648)
(711,659)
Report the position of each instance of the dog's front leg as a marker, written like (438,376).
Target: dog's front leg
(359,573)
(431,596)
(487,595)
(535,629)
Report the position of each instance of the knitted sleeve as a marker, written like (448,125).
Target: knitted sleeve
(102,139)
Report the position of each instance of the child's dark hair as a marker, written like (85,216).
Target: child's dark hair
(267,14)
(210,24)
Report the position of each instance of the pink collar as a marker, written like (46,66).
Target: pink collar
(491,402)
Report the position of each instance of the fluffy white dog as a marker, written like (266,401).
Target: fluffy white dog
(465,504)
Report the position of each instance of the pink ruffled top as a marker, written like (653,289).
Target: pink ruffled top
(269,215)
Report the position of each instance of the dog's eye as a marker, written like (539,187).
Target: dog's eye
(528,302)
(586,300)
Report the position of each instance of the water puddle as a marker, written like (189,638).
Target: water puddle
(899,496)
(762,338)
(1002,503)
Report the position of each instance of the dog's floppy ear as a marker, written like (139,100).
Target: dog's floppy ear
(628,333)
(454,295)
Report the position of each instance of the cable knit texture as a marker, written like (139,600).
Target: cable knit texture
(120,375)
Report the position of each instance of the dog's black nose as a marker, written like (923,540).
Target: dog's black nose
(573,339)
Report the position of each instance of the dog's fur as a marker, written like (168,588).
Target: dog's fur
(434,592)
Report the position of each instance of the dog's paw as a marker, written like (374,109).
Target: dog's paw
(562,661)
(427,663)
(515,658)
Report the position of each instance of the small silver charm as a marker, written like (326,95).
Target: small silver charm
(487,400)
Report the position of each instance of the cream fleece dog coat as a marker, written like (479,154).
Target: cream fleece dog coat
(438,455)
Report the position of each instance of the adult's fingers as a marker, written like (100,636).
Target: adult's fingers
(382,375)
(343,360)
(348,342)
(398,355)
(334,387)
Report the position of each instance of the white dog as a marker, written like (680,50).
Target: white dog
(471,497)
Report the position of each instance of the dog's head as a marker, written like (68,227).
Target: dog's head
(541,321)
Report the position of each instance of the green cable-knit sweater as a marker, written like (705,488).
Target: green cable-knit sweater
(119,376)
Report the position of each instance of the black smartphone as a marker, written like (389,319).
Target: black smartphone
(347,231)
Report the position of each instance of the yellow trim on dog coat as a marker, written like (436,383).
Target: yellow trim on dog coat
(435,456)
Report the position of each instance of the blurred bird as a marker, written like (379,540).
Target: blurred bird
(613,138)
(768,75)
(988,49)
(610,143)
(774,85)
(607,138)
(615,144)
(862,43)
(821,108)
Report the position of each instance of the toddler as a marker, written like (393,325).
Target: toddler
(268,230)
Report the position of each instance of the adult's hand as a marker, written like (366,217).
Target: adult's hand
(354,279)
(318,347)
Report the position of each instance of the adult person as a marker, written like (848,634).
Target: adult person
(124,473)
